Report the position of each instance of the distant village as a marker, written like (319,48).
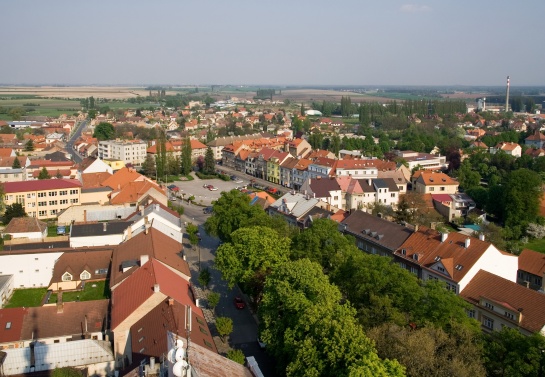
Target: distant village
(123,230)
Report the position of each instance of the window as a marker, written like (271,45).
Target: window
(440,269)
(73,201)
(489,305)
(42,213)
(471,313)
(101,271)
(509,315)
(42,204)
(414,270)
(521,275)
(488,322)
(41,195)
(52,202)
(64,192)
(53,212)
(442,188)
(64,201)
(432,188)
(66,277)
(73,192)
(393,195)
(85,275)
(537,280)
(8,325)
(52,193)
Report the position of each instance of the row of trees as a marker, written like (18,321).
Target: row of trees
(321,300)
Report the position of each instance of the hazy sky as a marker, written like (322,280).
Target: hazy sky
(279,42)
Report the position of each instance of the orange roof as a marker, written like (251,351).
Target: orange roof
(196,144)
(533,262)
(451,253)
(133,191)
(94,180)
(431,178)
(6,152)
(507,146)
(508,294)
(263,195)
(122,177)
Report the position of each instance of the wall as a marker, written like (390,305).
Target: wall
(493,261)
(6,291)
(30,270)
(112,239)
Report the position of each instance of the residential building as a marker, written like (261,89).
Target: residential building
(130,151)
(512,149)
(300,173)
(531,270)
(218,144)
(298,147)
(429,182)
(293,207)
(498,302)
(322,167)
(356,169)
(98,234)
(286,169)
(26,227)
(273,166)
(423,160)
(6,290)
(30,268)
(44,198)
(364,193)
(536,140)
(453,206)
(453,258)
(373,234)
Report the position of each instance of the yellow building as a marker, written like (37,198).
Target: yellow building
(43,198)
(273,165)
(114,164)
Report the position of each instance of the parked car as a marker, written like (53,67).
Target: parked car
(239,303)
(212,188)
(206,185)
(208,210)
(233,177)
(272,190)
(238,180)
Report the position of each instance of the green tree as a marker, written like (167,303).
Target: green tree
(237,356)
(231,212)
(16,163)
(510,353)
(468,177)
(13,210)
(522,194)
(91,114)
(224,325)
(104,131)
(148,166)
(29,145)
(186,157)
(302,109)
(250,256)
(204,277)
(91,102)
(209,162)
(429,351)
(310,332)
(44,174)
(213,300)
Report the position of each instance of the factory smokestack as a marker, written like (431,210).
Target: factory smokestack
(507,96)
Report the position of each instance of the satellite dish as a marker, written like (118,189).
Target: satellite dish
(171,355)
(179,367)
(180,354)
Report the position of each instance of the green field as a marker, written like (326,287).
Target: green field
(26,298)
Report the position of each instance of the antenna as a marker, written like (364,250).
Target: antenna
(507,96)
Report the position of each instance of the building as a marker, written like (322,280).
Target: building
(512,149)
(130,151)
(536,140)
(429,182)
(498,302)
(6,290)
(454,205)
(293,207)
(531,270)
(30,268)
(44,198)
(98,234)
(26,227)
(423,160)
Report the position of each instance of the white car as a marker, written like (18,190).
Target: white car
(238,181)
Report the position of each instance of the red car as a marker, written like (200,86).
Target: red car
(239,303)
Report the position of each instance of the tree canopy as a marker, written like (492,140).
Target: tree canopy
(104,131)
(13,210)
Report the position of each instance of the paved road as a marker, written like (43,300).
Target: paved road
(70,143)
(244,336)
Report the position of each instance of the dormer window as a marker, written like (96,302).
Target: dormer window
(66,277)
(85,275)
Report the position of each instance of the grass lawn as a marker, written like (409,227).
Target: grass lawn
(26,298)
(99,292)
(536,245)
(52,231)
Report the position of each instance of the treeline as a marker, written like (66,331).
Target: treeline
(328,309)
(265,94)
(374,112)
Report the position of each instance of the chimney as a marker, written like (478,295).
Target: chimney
(60,304)
(444,237)
(156,288)
(144,259)
(84,215)
(104,226)
(481,236)
(468,241)
(416,228)
(129,232)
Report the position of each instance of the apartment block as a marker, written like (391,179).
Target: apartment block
(43,198)
(130,151)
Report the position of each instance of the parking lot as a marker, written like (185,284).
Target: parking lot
(204,196)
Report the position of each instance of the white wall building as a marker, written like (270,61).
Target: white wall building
(29,269)
(129,151)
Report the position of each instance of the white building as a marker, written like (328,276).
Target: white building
(129,151)
(30,269)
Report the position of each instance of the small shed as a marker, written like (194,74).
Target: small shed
(26,227)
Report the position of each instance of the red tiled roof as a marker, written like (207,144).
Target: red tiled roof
(532,262)
(513,295)
(25,225)
(15,317)
(40,185)
(441,198)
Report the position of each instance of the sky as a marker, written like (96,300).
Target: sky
(272,42)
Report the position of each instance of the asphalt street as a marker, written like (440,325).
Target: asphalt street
(245,328)
(70,143)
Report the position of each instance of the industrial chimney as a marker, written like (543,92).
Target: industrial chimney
(507,96)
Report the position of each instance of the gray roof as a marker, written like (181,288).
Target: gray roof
(295,204)
(156,208)
(96,189)
(379,183)
(370,228)
(98,229)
